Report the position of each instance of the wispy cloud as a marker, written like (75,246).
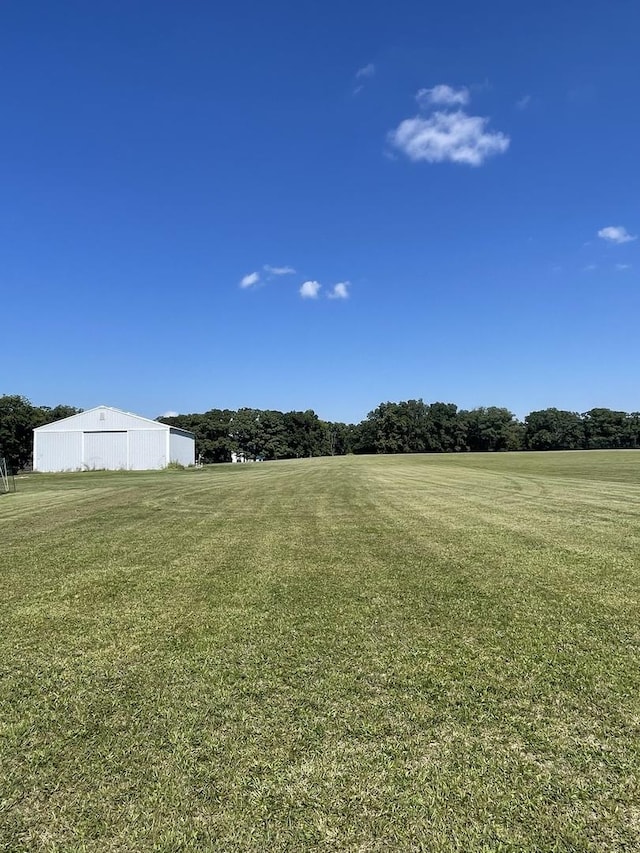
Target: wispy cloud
(523,102)
(622,267)
(278,270)
(366,71)
(616,234)
(340,290)
(169,414)
(443,95)
(361,76)
(250,279)
(254,278)
(455,137)
(590,267)
(310,289)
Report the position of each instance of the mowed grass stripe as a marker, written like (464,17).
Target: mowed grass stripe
(367,654)
(566,513)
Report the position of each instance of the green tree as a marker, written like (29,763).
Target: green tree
(633,430)
(307,435)
(245,433)
(492,429)
(341,438)
(440,428)
(57,413)
(363,437)
(400,427)
(554,429)
(271,440)
(605,428)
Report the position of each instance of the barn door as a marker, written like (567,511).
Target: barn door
(105,450)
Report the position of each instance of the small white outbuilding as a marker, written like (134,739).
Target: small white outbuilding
(109,439)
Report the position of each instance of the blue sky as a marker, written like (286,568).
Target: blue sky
(456,171)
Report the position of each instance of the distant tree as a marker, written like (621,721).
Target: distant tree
(554,429)
(440,428)
(413,426)
(492,429)
(245,433)
(271,439)
(396,428)
(341,438)
(515,435)
(307,435)
(363,436)
(605,428)
(633,430)
(57,413)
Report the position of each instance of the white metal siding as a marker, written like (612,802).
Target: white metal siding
(102,418)
(58,452)
(105,450)
(147,449)
(110,439)
(182,448)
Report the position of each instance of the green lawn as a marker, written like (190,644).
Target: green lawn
(435,653)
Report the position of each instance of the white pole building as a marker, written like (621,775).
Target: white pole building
(109,439)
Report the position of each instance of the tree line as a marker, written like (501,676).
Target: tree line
(410,426)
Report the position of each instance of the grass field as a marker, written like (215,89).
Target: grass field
(431,653)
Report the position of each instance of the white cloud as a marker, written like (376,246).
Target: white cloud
(443,94)
(523,102)
(622,267)
(169,414)
(309,290)
(361,76)
(250,279)
(616,234)
(366,71)
(278,270)
(453,136)
(340,290)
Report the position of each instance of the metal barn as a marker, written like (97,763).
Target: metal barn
(109,439)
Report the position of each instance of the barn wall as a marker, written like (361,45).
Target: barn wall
(182,448)
(58,451)
(147,449)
